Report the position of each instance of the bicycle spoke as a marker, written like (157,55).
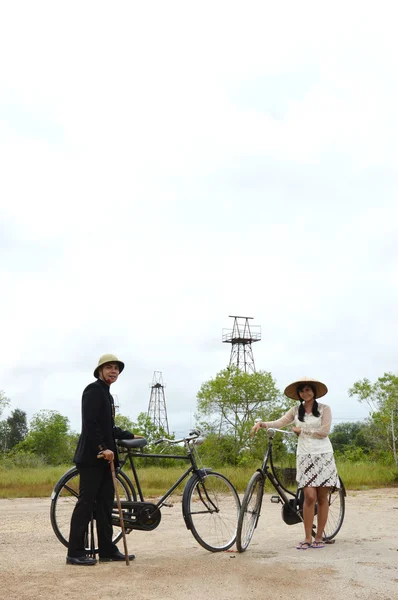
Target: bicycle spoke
(335,514)
(62,506)
(211,508)
(71,491)
(201,489)
(250,511)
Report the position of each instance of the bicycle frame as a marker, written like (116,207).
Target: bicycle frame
(291,507)
(189,456)
(268,470)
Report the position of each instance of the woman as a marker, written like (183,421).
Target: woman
(316,469)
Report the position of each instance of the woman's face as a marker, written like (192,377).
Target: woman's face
(306,393)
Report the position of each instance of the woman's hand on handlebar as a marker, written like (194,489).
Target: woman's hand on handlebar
(257,426)
(296,430)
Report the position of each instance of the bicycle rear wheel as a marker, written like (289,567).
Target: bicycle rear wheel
(336,512)
(211,507)
(250,511)
(63,501)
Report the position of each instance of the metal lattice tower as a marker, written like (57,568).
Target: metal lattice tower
(157,403)
(241,338)
(116,402)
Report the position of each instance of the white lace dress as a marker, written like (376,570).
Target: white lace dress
(314,460)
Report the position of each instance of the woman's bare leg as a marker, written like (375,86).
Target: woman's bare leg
(322,512)
(310,497)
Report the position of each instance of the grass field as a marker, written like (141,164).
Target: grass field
(38,482)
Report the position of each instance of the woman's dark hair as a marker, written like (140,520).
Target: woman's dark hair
(301,410)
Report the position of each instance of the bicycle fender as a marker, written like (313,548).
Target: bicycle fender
(198,475)
(343,486)
(61,481)
(203,472)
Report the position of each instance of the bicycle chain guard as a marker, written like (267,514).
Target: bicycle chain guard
(290,512)
(144,516)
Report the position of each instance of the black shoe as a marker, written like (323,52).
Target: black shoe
(115,557)
(86,561)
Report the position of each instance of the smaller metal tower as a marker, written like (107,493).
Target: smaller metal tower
(116,402)
(241,338)
(157,403)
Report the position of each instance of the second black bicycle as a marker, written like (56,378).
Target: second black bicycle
(292,502)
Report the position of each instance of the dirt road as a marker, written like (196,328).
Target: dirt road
(170,565)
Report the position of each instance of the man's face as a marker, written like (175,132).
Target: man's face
(109,372)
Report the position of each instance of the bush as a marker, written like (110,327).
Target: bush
(23,460)
(49,436)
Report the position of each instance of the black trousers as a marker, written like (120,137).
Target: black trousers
(96,494)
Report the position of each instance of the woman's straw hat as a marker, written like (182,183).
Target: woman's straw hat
(291,390)
(108,358)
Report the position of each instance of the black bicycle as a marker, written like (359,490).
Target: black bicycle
(292,502)
(210,503)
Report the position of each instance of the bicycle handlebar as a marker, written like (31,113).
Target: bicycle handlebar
(193,435)
(273,429)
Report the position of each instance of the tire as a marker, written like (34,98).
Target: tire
(250,511)
(64,498)
(336,512)
(211,507)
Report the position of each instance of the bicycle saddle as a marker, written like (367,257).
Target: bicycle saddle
(135,443)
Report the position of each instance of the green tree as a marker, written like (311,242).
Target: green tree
(382,400)
(144,426)
(354,441)
(344,435)
(124,423)
(229,404)
(4,402)
(17,428)
(217,451)
(50,437)
(3,435)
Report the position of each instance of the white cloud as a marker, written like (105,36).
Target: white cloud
(165,166)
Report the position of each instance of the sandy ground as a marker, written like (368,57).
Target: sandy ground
(170,565)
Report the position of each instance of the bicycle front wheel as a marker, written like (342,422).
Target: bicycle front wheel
(250,511)
(211,507)
(63,501)
(336,512)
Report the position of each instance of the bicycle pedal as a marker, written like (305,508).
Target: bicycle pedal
(275,499)
(167,505)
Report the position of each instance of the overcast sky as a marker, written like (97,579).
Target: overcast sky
(167,164)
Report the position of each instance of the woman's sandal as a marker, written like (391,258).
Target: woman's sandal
(316,544)
(303,546)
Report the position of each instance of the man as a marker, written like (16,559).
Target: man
(95,450)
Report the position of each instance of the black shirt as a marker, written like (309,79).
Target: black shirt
(98,420)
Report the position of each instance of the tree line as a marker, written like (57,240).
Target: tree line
(229,404)
(227,407)
(49,439)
